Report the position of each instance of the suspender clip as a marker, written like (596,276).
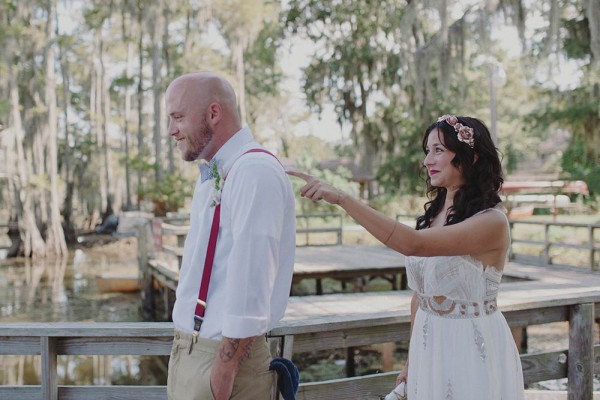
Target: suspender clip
(197,324)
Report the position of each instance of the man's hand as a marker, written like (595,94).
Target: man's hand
(230,355)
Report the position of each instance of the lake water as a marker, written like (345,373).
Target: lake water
(65,290)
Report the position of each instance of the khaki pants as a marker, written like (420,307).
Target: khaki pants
(189,374)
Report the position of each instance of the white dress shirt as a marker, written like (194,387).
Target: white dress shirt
(254,258)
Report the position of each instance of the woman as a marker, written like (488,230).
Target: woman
(461,347)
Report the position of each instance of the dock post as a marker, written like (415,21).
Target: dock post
(145,247)
(49,354)
(581,350)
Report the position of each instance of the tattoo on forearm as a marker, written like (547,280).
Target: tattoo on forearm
(247,348)
(228,349)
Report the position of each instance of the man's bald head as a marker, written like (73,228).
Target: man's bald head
(203,113)
(204,88)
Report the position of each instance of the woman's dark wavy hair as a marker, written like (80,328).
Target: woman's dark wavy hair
(483,174)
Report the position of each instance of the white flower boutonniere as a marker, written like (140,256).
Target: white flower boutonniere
(216,197)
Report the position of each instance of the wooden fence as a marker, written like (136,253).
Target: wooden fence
(578,363)
(591,244)
(305,229)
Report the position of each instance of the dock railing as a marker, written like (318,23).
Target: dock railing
(591,243)
(578,363)
(306,229)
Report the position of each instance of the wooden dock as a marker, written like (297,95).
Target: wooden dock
(534,295)
(329,322)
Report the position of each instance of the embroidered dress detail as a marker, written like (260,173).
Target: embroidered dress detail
(425,327)
(456,308)
(468,351)
(479,341)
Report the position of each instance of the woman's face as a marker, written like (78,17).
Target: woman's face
(438,161)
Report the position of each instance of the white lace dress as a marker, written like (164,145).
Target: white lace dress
(461,347)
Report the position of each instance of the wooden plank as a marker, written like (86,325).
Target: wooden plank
(346,262)
(48,380)
(160,346)
(20,345)
(343,338)
(128,392)
(318,230)
(580,363)
(544,366)
(160,267)
(177,230)
(288,347)
(364,387)
(91,329)
(536,367)
(536,316)
(26,392)
(176,251)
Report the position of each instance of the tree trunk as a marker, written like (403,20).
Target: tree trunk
(33,243)
(126,29)
(106,153)
(140,97)
(167,58)
(67,210)
(238,59)
(55,238)
(156,22)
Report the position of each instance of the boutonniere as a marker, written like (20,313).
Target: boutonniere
(218,186)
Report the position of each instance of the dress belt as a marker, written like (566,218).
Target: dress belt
(457,309)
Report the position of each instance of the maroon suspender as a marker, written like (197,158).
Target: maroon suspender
(210,256)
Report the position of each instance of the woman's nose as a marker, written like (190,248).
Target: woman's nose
(427,159)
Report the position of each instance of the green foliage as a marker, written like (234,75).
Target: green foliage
(581,165)
(340,178)
(401,172)
(169,194)
(577,111)
(263,73)
(577,40)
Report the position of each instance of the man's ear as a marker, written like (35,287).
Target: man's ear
(215,113)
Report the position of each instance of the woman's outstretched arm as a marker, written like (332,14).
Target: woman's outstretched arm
(472,236)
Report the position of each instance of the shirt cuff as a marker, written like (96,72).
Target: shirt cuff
(239,327)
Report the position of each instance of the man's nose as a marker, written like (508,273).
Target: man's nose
(172,129)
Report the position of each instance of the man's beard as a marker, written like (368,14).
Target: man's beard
(197,147)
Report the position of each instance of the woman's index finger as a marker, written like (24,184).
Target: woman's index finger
(300,175)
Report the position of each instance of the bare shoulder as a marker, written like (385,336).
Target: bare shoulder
(493,219)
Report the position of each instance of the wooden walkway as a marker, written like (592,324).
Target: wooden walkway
(333,321)
(346,263)
(538,287)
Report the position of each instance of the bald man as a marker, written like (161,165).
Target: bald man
(226,355)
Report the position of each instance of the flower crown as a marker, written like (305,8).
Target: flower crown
(463,133)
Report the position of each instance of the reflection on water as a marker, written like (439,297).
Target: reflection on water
(65,290)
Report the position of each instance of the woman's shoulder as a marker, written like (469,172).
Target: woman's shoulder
(499,211)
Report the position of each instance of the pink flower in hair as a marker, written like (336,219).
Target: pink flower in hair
(464,133)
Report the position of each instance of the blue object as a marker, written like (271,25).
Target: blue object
(206,170)
(288,377)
